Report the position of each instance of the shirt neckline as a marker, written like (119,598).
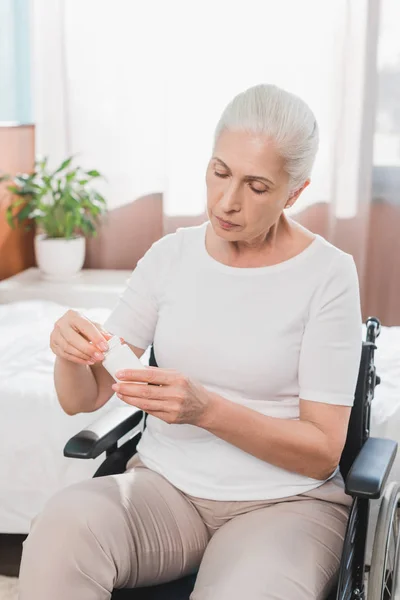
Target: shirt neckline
(246,271)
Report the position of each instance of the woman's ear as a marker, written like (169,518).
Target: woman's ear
(293,196)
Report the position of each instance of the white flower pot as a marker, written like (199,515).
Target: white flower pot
(58,258)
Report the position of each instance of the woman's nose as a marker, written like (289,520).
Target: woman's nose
(230,200)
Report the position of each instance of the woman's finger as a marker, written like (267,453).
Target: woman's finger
(62,346)
(142,404)
(59,351)
(87,329)
(153,375)
(163,416)
(138,390)
(82,361)
(76,345)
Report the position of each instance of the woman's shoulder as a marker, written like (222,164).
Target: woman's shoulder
(326,255)
(336,272)
(334,256)
(172,245)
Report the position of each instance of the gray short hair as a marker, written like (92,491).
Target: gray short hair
(283,117)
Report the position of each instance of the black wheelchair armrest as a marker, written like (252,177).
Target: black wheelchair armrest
(370,470)
(104,433)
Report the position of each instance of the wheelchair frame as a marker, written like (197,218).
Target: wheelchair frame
(365,465)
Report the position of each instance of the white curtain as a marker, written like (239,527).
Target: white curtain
(387,135)
(135,88)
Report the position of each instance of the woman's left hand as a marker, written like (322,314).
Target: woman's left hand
(173,397)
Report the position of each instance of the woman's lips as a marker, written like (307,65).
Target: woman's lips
(226,224)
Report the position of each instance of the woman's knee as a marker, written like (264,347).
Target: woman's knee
(73,515)
(75,539)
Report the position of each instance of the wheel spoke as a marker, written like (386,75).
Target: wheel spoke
(388,586)
(391,550)
(395,585)
(384,577)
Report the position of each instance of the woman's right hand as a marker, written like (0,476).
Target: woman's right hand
(79,340)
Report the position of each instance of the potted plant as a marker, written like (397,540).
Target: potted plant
(65,208)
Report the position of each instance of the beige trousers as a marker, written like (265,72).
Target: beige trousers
(136,529)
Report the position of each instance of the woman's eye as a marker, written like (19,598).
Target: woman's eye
(225,175)
(258,191)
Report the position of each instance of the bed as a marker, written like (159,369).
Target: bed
(34,429)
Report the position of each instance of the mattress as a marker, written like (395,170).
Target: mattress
(34,429)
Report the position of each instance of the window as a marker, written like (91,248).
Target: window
(15,88)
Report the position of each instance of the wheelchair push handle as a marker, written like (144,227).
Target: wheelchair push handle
(373,329)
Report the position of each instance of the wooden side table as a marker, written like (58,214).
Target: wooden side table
(90,288)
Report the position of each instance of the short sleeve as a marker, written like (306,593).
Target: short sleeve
(135,316)
(332,341)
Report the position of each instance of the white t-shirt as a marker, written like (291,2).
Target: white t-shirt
(263,337)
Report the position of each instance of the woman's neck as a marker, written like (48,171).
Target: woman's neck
(282,241)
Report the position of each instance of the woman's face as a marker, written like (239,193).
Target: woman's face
(247,186)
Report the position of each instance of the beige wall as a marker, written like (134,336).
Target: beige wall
(125,234)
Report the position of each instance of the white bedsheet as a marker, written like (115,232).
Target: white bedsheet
(34,429)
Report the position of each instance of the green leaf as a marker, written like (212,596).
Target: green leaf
(100,198)
(17,191)
(71,175)
(93,173)
(69,225)
(35,186)
(22,178)
(17,202)
(24,213)
(41,162)
(87,226)
(26,190)
(64,165)
(71,203)
(9,217)
(95,210)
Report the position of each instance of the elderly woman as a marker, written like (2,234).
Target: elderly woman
(256,328)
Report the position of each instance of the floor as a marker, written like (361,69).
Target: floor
(8,588)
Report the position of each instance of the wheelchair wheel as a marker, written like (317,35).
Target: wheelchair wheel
(384,580)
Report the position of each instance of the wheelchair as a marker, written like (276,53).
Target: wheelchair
(365,465)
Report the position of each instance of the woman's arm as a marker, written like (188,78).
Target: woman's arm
(82,383)
(311,446)
(84,388)
(75,386)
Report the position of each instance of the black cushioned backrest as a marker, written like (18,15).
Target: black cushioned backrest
(152,359)
(358,431)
